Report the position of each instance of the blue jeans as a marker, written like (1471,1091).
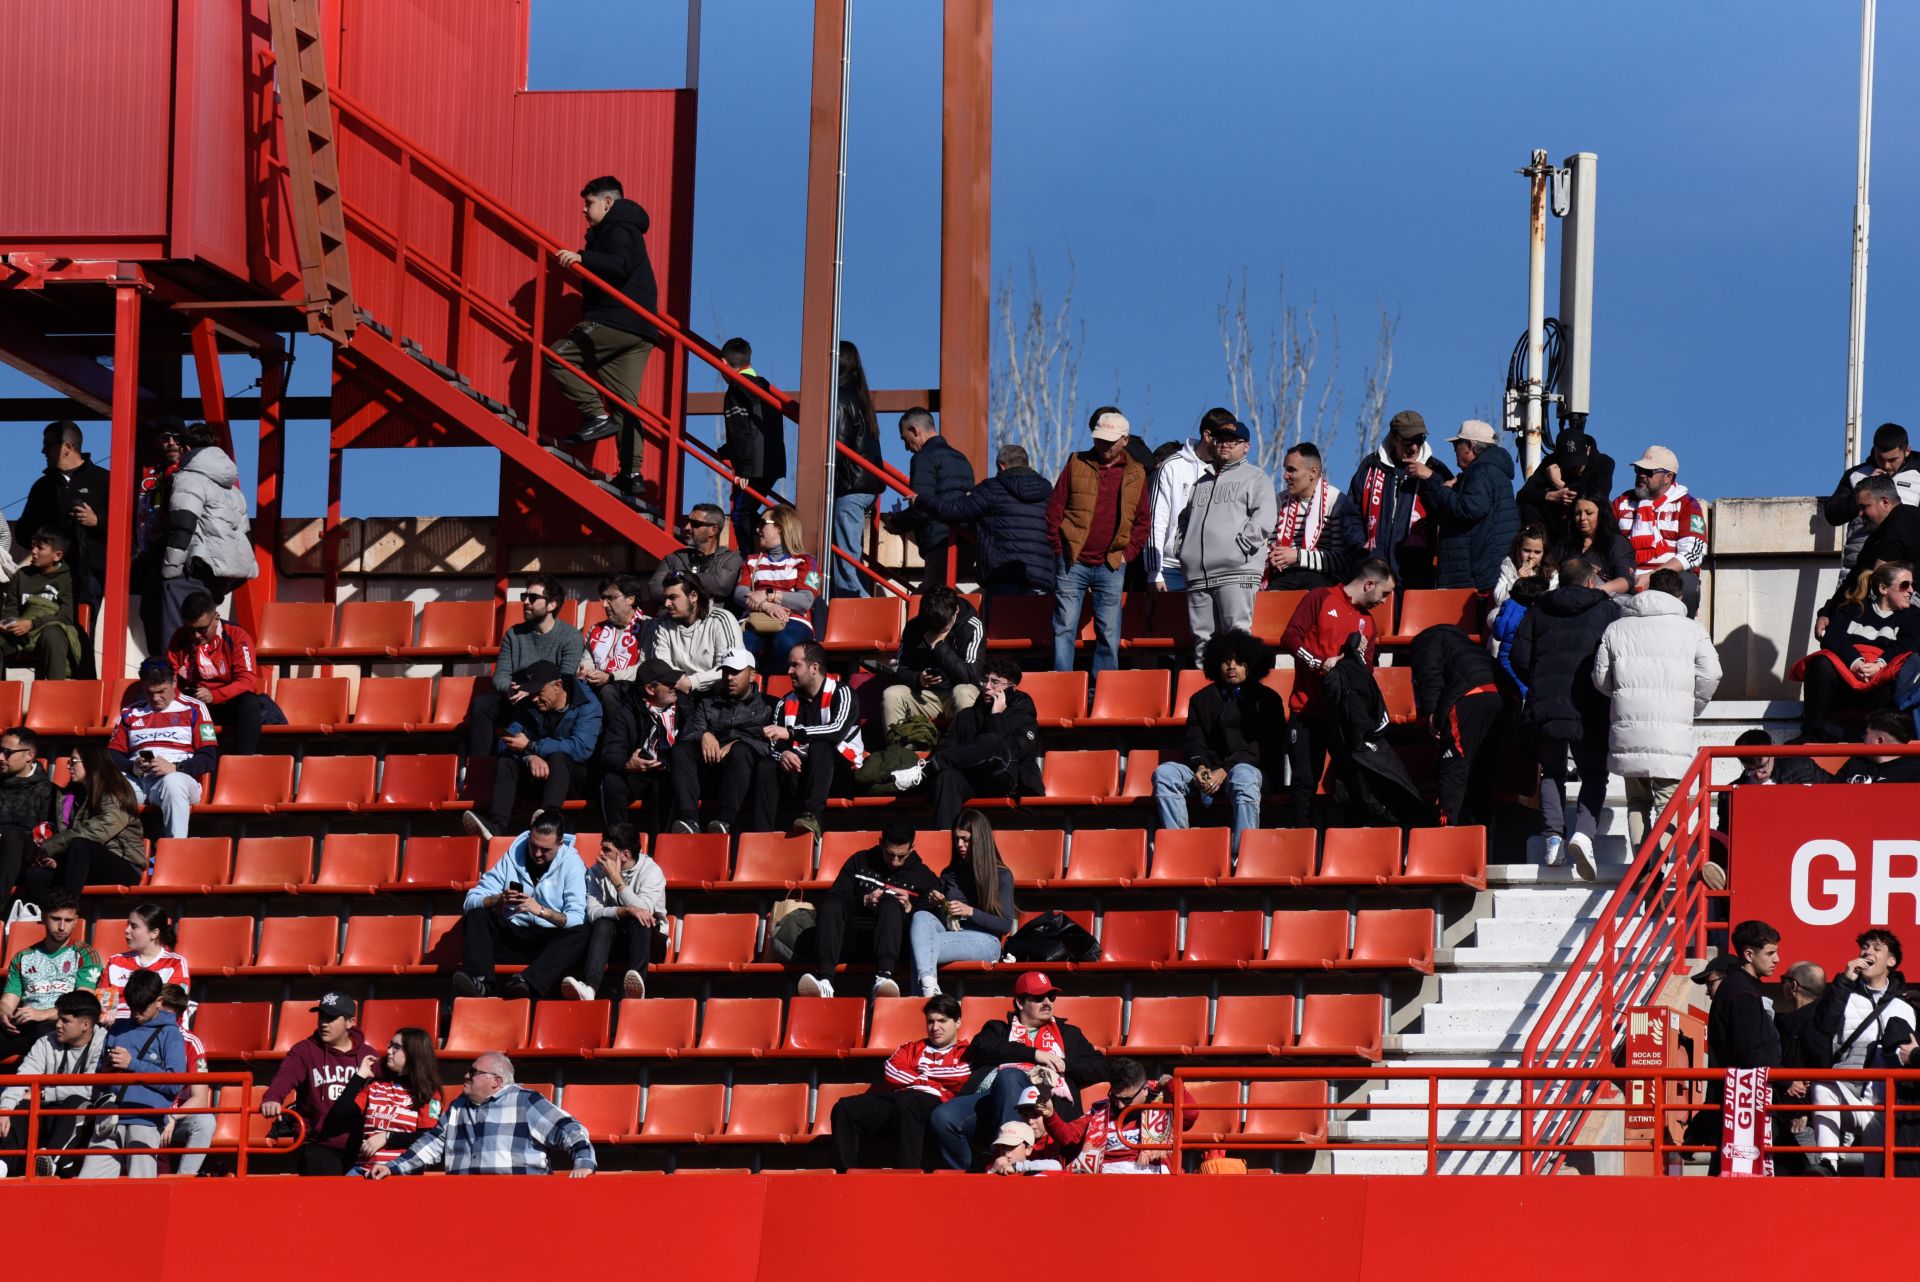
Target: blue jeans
(1172,781)
(772,648)
(934,945)
(852,514)
(955,1123)
(1075,582)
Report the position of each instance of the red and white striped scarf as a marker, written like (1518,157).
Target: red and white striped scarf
(850,745)
(1105,1142)
(1312,511)
(1743,1124)
(1371,503)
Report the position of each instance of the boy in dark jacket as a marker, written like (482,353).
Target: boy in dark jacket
(1740,1029)
(636,748)
(1031,1047)
(872,895)
(1398,527)
(941,472)
(755,444)
(992,748)
(1007,514)
(1236,732)
(937,672)
(611,342)
(148,1039)
(723,746)
(1457,687)
(27,800)
(1476,510)
(314,1073)
(38,619)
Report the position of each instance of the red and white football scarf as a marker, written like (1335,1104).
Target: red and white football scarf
(850,745)
(1044,1038)
(1371,503)
(1311,512)
(1743,1124)
(1105,1142)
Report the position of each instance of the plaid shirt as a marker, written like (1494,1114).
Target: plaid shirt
(510,1134)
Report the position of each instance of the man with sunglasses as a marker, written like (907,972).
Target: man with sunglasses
(1031,1047)
(216,665)
(541,635)
(1666,524)
(495,1127)
(715,568)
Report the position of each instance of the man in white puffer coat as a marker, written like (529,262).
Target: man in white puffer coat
(1659,668)
(208,547)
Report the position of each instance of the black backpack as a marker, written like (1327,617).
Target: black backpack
(1053,937)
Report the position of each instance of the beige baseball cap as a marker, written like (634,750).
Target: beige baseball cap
(1477,431)
(1012,1134)
(1659,458)
(1112,427)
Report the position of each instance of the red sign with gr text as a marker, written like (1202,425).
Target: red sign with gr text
(1823,862)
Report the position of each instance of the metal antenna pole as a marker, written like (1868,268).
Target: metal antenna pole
(1539,173)
(1857,313)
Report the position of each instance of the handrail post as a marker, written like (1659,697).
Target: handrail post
(1886,1140)
(32,1153)
(1659,1124)
(673,462)
(244,1107)
(1433,1124)
(536,382)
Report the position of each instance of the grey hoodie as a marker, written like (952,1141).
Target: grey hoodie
(1224,531)
(207,518)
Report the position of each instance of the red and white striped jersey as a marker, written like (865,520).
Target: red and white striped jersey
(196,1052)
(169,965)
(785,572)
(174,733)
(1672,525)
(937,1070)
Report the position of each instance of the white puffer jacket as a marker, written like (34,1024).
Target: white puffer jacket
(1660,669)
(207,518)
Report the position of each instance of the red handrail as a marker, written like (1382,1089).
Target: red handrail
(237,1101)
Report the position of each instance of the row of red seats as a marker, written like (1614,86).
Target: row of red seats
(1381,938)
(1329,1026)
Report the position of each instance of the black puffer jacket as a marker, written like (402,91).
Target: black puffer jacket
(1553,656)
(1018,727)
(943,472)
(730,720)
(1446,664)
(1008,516)
(616,252)
(27,800)
(1477,520)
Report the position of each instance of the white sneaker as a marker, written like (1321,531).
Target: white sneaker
(885,987)
(1554,852)
(1582,847)
(1714,875)
(929,986)
(910,778)
(634,985)
(814,986)
(475,825)
(576,990)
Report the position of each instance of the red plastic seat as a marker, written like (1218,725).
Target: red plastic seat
(838,847)
(1217,939)
(452,696)
(1280,681)
(189,865)
(771,861)
(1246,1024)
(1219,1115)
(1363,855)
(610,1111)
(829,1094)
(692,861)
(1392,939)
(446,933)
(1155,621)
(1078,778)
(738,1026)
(1034,855)
(297,945)
(1110,856)
(661,1026)
(767,1113)
(382,1017)
(108,935)
(375,628)
(23,935)
(296,1022)
(1307,938)
(482,1024)
(570,1028)
(1138,785)
(266,865)
(440,863)
(393,704)
(1026,623)
(227,1126)
(1129,697)
(1287,1111)
(1167,1025)
(1272,612)
(357,863)
(826,1026)
(249,785)
(1191,856)
(1396,688)
(1274,857)
(1341,1025)
(65,708)
(230,1030)
(1423,608)
(1446,857)
(1097,1017)
(1139,938)
(1059,698)
(896,1021)
(212,944)
(424,782)
(294,629)
(334,783)
(13,702)
(381,945)
(863,624)
(976,1011)
(683,1112)
(1189,683)
(454,628)
(314,705)
(716,941)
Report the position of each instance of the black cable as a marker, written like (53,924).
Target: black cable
(1554,362)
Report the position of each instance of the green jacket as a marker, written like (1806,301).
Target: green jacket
(110,826)
(45,599)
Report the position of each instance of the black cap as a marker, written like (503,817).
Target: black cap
(659,670)
(334,1005)
(537,674)
(1724,964)
(1231,430)
(156,669)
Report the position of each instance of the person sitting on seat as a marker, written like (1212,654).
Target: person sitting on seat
(1870,636)
(992,749)
(147,1040)
(1884,730)
(871,897)
(99,842)
(722,752)
(815,738)
(531,907)
(918,1077)
(541,635)
(188,1130)
(703,560)
(152,936)
(613,647)
(216,664)
(626,904)
(937,672)
(636,749)
(38,976)
(1236,728)
(71,1042)
(315,1074)
(28,807)
(39,623)
(547,747)
(165,743)
(495,1128)
(1105,1140)
(777,589)
(691,634)
(972,911)
(389,1099)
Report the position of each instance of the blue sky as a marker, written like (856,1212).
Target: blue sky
(1364,148)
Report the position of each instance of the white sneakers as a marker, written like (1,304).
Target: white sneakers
(1581,846)
(576,990)
(476,826)
(634,985)
(929,986)
(1714,875)
(885,987)
(1555,851)
(814,986)
(910,778)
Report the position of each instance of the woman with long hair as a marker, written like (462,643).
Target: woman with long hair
(1870,636)
(972,912)
(777,589)
(98,841)
(1596,538)
(390,1098)
(855,488)
(152,936)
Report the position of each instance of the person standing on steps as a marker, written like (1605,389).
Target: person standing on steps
(754,442)
(612,341)
(855,488)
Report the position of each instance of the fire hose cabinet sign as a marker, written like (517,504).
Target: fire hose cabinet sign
(1653,1034)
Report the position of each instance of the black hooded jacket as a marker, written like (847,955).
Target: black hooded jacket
(1446,664)
(1553,657)
(1007,513)
(616,252)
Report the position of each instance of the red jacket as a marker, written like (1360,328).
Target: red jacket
(1318,630)
(224,663)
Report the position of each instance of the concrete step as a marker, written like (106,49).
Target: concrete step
(1495,987)
(1538,935)
(1451,1017)
(1501,1124)
(1551,903)
(1460,1092)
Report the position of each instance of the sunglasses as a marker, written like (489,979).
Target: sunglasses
(1040,998)
(707,525)
(1904,585)
(472,1073)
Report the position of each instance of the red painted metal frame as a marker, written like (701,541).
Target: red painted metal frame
(111,635)
(238,1102)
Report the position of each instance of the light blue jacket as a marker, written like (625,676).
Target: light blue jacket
(563,889)
(157,1047)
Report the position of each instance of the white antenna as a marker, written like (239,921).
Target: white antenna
(1857,314)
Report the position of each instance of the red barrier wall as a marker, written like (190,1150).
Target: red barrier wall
(788,1228)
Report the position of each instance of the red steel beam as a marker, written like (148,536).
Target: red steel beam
(213,388)
(818,352)
(966,209)
(111,628)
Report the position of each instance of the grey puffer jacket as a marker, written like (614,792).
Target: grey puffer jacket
(1660,669)
(207,518)
(1224,531)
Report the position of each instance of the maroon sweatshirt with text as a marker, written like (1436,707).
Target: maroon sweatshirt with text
(315,1074)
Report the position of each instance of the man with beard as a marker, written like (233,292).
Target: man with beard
(1666,525)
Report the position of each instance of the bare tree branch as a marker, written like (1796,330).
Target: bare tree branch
(1034,392)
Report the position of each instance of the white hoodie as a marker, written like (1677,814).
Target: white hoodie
(1173,482)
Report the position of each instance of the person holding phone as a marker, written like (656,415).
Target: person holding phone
(627,905)
(165,743)
(531,907)
(636,749)
(938,668)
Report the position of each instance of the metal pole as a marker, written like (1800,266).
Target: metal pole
(110,629)
(839,268)
(1857,311)
(821,287)
(1538,173)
